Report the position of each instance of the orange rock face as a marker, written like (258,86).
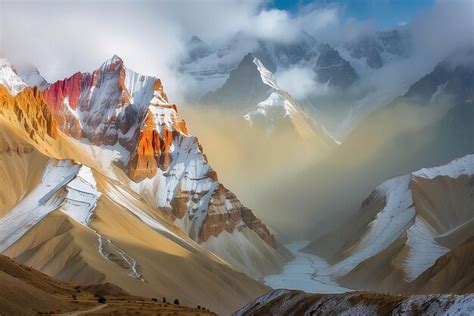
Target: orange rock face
(29,109)
(153,151)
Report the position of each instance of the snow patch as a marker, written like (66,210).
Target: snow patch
(302,273)
(423,249)
(45,198)
(82,196)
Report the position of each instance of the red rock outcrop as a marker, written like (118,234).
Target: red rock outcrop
(57,92)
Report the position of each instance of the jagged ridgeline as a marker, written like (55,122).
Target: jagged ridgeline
(114,188)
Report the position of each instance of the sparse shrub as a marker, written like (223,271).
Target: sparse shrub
(164,299)
(74,297)
(199,306)
(176,302)
(154,299)
(101,300)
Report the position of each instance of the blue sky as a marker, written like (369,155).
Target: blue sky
(384,13)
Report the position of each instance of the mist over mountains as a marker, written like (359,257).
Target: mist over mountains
(212,153)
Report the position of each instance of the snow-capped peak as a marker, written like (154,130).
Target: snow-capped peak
(9,78)
(279,108)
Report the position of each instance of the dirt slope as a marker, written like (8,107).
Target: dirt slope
(25,291)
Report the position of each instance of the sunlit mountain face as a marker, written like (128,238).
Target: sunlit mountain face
(246,158)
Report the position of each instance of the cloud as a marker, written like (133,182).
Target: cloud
(301,82)
(62,37)
(434,35)
(273,25)
(441,31)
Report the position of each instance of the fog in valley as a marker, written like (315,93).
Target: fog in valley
(302,187)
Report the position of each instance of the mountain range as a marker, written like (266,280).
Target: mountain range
(102,181)
(338,65)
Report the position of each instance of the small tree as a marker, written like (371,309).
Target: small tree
(176,302)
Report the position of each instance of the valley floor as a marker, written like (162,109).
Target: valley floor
(302,273)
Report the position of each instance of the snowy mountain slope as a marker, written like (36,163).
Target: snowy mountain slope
(407,223)
(121,124)
(289,302)
(72,222)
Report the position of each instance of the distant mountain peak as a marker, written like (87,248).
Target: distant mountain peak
(279,110)
(10,78)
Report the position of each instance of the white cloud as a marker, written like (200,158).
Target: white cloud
(437,33)
(62,37)
(448,27)
(273,25)
(301,83)
(65,37)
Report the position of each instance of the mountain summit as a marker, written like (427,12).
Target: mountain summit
(114,188)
